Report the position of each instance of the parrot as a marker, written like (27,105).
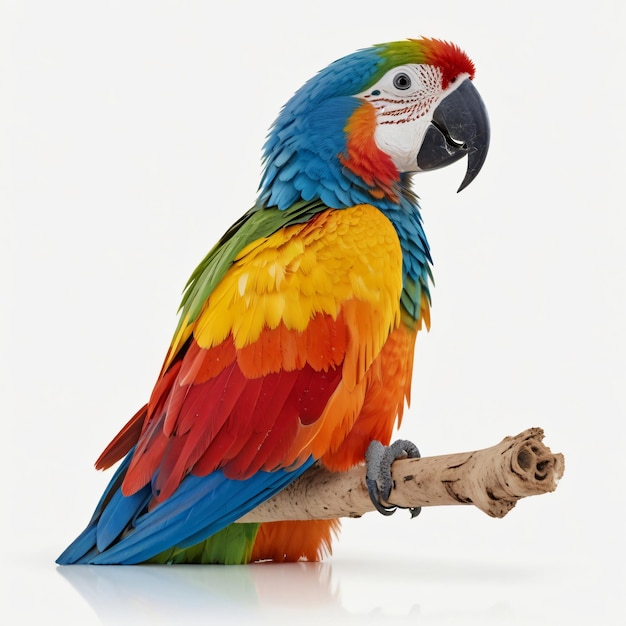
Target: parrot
(296,333)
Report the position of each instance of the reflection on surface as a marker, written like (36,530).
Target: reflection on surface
(163,593)
(379,590)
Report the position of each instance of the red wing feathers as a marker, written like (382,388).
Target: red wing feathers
(238,410)
(243,425)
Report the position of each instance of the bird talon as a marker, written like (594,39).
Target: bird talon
(379,459)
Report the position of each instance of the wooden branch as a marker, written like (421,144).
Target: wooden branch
(493,479)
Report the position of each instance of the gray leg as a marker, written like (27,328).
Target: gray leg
(378,459)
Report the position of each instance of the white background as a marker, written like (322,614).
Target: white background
(131,139)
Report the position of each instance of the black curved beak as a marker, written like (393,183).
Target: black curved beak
(460,127)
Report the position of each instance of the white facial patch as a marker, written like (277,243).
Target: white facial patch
(405,99)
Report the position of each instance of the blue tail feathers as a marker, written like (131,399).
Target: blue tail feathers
(123,530)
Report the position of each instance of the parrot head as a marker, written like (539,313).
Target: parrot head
(361,127)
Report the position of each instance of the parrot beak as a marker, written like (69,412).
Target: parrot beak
(460,126)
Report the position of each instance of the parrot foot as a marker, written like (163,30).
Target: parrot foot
(379,459)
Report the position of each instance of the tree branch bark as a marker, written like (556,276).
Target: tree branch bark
(493,479)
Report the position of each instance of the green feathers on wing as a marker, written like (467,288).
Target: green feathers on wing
(257,223)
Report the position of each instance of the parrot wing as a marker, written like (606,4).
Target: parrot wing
(267,373)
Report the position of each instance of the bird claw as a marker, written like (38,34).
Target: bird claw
(379,459)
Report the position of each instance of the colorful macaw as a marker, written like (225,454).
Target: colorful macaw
(296,333)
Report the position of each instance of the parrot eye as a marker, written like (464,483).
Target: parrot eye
(401,81)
